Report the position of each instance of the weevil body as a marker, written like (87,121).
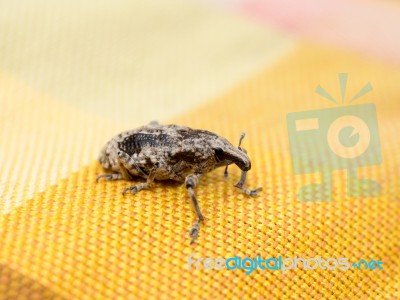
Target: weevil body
(160,152)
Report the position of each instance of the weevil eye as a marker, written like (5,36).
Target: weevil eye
(219,154)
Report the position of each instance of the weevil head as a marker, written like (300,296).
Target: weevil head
(225,154)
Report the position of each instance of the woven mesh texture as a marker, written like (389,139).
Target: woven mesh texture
(82,240)
(113,65)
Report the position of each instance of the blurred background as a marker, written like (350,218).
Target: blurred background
(75,73)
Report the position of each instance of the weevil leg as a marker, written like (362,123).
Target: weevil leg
(144,185)
(240,184)
(242,180)
(108,177)
(226,174)
(191,183)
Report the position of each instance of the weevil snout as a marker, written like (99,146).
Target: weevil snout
(226,154)
(245,167)
(243,163)
(239,157)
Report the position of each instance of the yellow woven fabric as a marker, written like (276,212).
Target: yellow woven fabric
(82,240)
(73,74)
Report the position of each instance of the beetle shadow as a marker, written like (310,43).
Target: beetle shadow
(169,183)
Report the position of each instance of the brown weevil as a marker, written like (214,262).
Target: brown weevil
(161,152)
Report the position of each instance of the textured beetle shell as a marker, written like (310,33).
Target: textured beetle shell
(171,151)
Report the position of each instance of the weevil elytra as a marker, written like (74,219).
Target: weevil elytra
(160,152)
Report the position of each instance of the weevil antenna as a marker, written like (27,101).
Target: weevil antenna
(242,135)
